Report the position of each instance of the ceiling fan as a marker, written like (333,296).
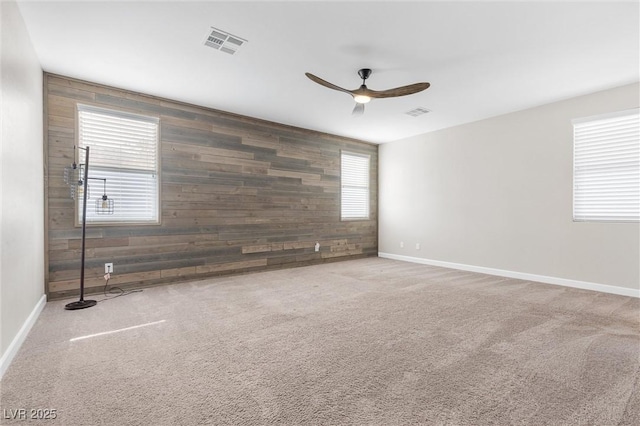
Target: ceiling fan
(362,95)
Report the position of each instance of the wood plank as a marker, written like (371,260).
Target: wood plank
(178,272)
(296,175)
(172,148)
(229,266)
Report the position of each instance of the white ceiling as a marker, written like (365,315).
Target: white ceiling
(481,58)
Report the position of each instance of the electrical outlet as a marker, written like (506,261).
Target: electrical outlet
(108,268)
(401,244)
(417,246)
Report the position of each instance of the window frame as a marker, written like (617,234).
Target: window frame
(79,157)
(368,187)
(608,217)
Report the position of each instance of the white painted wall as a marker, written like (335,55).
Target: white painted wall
(21,178)
(497,193)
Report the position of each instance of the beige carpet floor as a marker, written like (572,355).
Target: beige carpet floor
(367,342)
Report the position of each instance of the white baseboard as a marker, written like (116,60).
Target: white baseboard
(604,288)
(17,341)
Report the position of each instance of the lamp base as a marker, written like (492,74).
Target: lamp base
(80,304)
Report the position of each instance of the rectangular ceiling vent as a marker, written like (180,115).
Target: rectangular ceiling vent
(417,111)
(224,41)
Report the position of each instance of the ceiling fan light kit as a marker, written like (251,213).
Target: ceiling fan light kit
(362,95)
(361,99)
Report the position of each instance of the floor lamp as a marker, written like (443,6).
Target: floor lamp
(105,204)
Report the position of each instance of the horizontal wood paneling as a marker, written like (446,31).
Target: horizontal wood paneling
(238,195)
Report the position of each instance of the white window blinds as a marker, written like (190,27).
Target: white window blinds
(606,167)
(123,150)
(355,185)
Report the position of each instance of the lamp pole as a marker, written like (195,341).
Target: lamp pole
(81,304)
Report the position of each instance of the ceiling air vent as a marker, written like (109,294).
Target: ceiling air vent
(417,111)
(223,41)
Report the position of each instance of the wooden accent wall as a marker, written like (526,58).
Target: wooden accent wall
(237,195)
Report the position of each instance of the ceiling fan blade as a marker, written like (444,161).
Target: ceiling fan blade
(358,109)
(325,83)
(398,91)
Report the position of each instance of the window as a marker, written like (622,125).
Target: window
(606,167)
(124,151)
(355,186)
